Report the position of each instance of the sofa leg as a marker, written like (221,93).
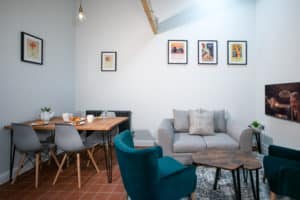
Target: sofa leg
(272,196)
(193,196)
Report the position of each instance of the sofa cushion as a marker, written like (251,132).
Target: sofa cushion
(185,143)
(220,141)
(219,120)
(181,120)
(201,123)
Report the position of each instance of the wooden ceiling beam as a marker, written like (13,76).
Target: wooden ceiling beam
(150,16)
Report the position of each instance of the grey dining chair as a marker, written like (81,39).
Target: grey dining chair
(27,143)
(68,140)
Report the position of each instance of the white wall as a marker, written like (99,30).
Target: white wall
(144,82)
(25,87)
(278,42)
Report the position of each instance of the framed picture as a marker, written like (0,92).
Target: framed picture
(208,52)
(108,61)
(177,51)
(236,52)
(31,49)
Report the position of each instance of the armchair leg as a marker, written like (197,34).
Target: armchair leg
(272,196)
(193,196)
(126,196)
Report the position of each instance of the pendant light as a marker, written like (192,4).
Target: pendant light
(81,15)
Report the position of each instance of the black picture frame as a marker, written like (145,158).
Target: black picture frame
(186,52)
(245,43)
(114,64)
(216,53)
(281,99)
(24,53)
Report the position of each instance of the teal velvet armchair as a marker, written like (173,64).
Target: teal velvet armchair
(147,175)
(282,170)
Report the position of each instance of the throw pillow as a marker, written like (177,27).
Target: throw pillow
(219,121)
(201,123)
(181,120)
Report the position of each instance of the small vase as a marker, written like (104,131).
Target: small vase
(46,116)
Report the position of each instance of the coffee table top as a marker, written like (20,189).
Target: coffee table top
(226,159)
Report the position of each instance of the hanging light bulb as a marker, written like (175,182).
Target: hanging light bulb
(81,15)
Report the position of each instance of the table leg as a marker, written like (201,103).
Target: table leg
(239,184)
(252,184)
(257,184)
(234,183)
(217,176)
(107,140)
(110,156)
(258,142)
(245,175)
(12,154)
(105,152)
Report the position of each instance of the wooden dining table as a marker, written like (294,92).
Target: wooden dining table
(102,126)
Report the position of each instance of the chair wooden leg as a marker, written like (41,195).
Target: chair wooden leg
(53,155)
(93,160)
(89,161)
(78,170)
(21,163)
(59,169)
(272,196)
(37,167)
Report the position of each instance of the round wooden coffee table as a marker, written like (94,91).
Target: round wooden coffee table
(232,161)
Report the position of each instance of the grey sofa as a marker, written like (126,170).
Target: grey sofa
(181,145)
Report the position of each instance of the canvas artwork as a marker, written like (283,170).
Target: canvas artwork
(207,52)
(283,101)
(108,61)
(237,52)
(31,49)
(177,52)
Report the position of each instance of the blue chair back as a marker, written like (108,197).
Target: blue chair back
(139,167)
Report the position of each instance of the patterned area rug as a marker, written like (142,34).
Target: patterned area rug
(225,191)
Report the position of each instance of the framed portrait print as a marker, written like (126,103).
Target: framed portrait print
(208,52)
(236,52)
(108,61)
(177,51)
(31,49)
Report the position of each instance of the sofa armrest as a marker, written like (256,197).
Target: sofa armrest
(283,152)
(166,136)
(244,138)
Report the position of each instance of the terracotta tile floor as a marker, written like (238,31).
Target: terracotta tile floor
(94,186)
